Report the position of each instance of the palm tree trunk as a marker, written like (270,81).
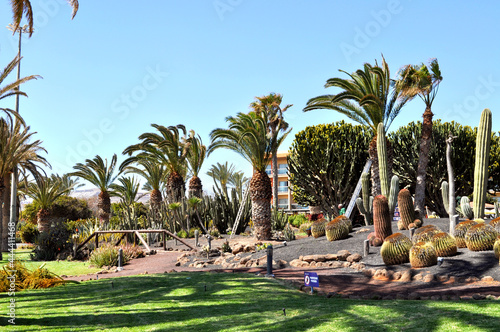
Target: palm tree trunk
(175,187)
(260,194)
(195,187)
(423,160)
(1,218)
(275,179)
(104,207)
(43,217)
(5,212)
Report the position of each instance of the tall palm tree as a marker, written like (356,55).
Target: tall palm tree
(271,104)
(44,191)
(238,180)
(195,158)
(22,8)
(127,191)
(369,97)
(248,136)
(423,81)
(17,147)
(221,173)
(169,148)
(153,172)
(101,174)
(67,182)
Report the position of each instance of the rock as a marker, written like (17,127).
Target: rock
(418,277)
(442,278)
(304,264)
(331,257)
(413,296)
(451,280)
(312,264)
(487,279)
(335,265)
(369,272)
(405,276)
(346,264)
(354,258)
(428,278)
(343,254)
(478,297)
(471,280)
(238,248)
(435,297)
(296,263)
(358,266)
(249,248)
(317,258)
(178,264)
(244,260)
(396,275)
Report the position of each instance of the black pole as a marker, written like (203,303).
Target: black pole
(269,261)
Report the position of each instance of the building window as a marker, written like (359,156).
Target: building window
(283,203)
(268,170)
(283,186)
(282,168)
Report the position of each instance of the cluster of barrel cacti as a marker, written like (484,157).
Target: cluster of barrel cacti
(460,231)
(425,233)
(396,249)
(338,228)
(318,228)
(480,237)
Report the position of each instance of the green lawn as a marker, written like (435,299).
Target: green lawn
(231,302)
(73,268)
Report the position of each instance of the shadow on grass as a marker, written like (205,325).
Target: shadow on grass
(217,301)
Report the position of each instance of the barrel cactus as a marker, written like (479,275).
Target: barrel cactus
(495,223)
(460,231)
(346,220)
(381,217)
(406,208)
(318,228)
(496,247)
(444,244)
(480,237)
(425,233)
(337,229)
(423,254)
(396,249)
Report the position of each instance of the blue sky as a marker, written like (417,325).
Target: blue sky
(120,66)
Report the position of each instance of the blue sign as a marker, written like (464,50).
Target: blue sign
(311,279)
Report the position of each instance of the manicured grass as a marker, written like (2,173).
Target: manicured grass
(231,302)
(73,268)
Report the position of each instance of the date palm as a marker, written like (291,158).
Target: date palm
(22,8)
(195,158)
(44,191)
(248,136)
(169,148)
(423,81)
(238,180)
(369,97)
(221,173)
(271,104)
(17,147)
(101,174)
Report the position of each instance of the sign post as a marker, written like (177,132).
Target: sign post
(311,279)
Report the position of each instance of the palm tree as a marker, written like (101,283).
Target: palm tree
(44,191)
(170,149)
(369,97)
(271,104)
(238,180)
(195,158)
(423,81)
(127,191)
(248,136)
(22,8)
(17,147)
(67,182)
(221,173)
(100,174)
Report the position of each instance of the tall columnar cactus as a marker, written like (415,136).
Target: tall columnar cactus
(393,194)
(381,217)
(445,193)
(382,160)
(483,139)
(497,209)
(466,209)
(406,208)
(365,204)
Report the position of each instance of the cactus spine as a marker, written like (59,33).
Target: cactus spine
(406,209)
(466,209)
(382,160)
(365,204)
(481,167)
(445,192)
(381,217)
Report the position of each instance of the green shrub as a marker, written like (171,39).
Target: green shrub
(297,219)
(192,230)
(182,234)
(65,208)
(107,255)
(28,232)
(51,244)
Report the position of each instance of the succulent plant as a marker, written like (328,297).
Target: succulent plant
(480,237)
(318,228)
(347,221)
(365,202)
(483,139)
(303,228)
(337,229)
(381,217)
(445,193)
(423,254)
(496,247)
(425,233)
(460,231)
(406,208)
(444,244)
(396,249)
(465,208)
(495,223)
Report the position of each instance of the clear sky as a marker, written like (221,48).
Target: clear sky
(120,66)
